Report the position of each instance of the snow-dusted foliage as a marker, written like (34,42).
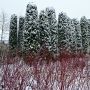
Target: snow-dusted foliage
(52,29)
(43,29)
(84,32)
(89,35)
(65,73)
(66,33)
(20,32)
(63,32)
(36,32)
(51,60)
(31,28)
(13,32)
(72,38)
(78,35)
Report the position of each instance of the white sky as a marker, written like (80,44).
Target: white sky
(73,8)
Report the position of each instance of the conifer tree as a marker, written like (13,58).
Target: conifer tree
(89,35)
(43,29)
(31,29)
(13,32)
(63,32)
(72,36)
(78,35)
(84,33)
(53,29)
(20,33)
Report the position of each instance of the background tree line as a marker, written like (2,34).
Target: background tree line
(36,31)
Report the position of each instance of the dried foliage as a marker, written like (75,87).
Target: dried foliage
(45,71)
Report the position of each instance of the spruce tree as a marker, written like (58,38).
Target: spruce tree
(52,29)
(89,35)
(31,29)
(78,35)
(13,32)
(20,33)
(43,30)
(63,32)
(84,33)
(72,36)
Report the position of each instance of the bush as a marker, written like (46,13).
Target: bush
(39,72)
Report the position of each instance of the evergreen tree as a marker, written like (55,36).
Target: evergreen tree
(20,33)
(72,36)
(53,29)
(84,33)
(43,30)
(13,32)
(78,35)
(88,36)
(63,32)
(31,28)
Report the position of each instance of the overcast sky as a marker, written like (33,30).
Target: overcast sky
(73,8)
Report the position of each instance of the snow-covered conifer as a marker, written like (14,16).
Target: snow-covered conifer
(89,35)
(13,32)
(43,29)
(20,32)
(78,35)
(84,33)
(72,36)
(63,32)
(31,28)
(52,29)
